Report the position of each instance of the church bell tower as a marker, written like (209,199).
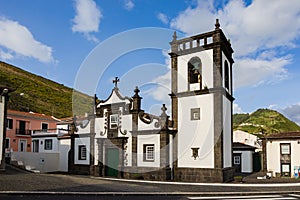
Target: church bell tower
(202,107)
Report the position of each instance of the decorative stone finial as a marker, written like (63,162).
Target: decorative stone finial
(174,36)
(164,108)
(217,25)
(136,90)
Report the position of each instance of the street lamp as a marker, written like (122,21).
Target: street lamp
(3,117)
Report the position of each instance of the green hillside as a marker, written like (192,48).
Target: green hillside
(37,94)
(269,121)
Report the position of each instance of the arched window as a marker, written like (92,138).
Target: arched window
(195,71)
(226,75)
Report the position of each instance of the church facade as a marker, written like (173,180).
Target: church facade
(194,144)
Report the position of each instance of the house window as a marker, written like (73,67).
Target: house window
(48,144)
(195,114)
(81,152)
(9,123)
(195,71)
(44,127)
(113,121)
(35,145)
(148,152)
(236,160)
(285,149)
(22,128)
(7,140)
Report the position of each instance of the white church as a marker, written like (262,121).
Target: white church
(194,144)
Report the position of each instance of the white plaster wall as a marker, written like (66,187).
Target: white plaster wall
(227,133)
(273,156)
(2,101)
(143,126)
(64,148)
(245,138)
(44,162)
(247,161)
(196,133)
(295,158)
(84,130)
(223,72)
(42,144)
(82,141)
(207,69)
(113,99)
(148,139)
(126,124)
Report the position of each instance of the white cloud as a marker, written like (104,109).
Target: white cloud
(257,32)
(237,108)
(17,39)
(87,19)
(292,112)
(129,5)
(163,18)
(5,55)
(248,71)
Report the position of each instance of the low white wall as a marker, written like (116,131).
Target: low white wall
(64,148)
(44,162)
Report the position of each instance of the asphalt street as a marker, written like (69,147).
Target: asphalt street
(17,183)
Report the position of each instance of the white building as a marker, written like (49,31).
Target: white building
(246,148)
(247,138)
(122,140)
(282,153)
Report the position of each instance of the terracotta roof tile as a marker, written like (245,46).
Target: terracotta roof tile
(30,115)
(284,135)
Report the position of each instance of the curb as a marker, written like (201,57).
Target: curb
(204,184)
(149,193)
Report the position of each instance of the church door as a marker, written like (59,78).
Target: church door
(112,162)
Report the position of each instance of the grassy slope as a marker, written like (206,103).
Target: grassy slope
(269,121)
(40,95)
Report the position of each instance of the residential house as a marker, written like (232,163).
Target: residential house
(20,126)
(282,153)
(246,152)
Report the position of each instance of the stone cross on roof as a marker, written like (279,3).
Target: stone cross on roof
(115,81)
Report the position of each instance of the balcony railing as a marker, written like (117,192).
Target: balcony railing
(53,131)
(23,132)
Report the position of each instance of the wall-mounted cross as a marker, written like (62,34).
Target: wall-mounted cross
(116,81)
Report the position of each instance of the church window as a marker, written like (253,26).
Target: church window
(113,121)
(195,71)
(195,114)
(82,152)
(226,75)
(148,152)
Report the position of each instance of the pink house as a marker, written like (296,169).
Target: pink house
(20,126)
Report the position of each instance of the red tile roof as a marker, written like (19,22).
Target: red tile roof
(285,135)
(31,115)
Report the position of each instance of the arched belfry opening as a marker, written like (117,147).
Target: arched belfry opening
(195,71)
(227,81)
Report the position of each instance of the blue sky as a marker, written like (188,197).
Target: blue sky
(54,38)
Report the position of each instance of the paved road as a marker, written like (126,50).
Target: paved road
(14,183)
